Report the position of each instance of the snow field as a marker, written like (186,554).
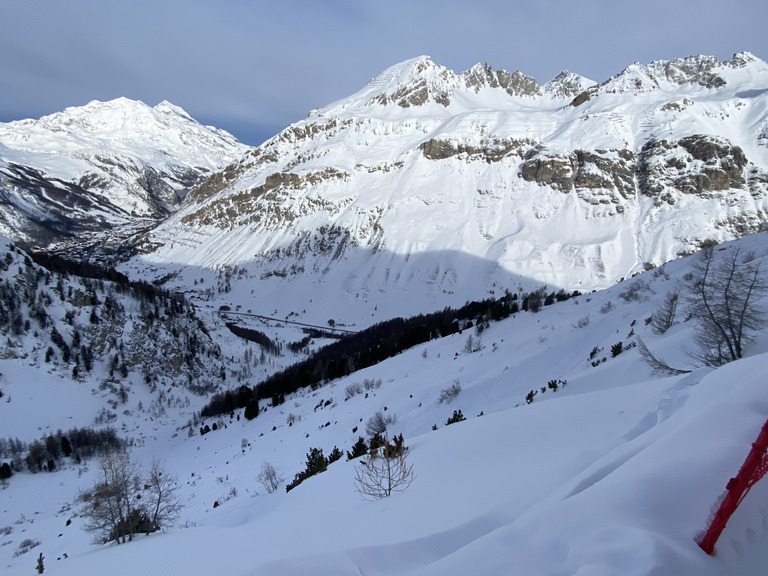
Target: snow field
(614,474)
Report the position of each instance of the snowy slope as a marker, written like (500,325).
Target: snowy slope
(462,183)
(614,473)
(101,166)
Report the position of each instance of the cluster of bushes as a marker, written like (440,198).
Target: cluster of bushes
(316,463)
(48,452)
(456,417)
(616,349)
(301,345)
(448,395)
(553,385)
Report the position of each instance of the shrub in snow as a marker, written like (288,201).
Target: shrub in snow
(376,442)
(555,384)
(372,384)
(251,409)
(457,417)
(582,322)
(25,546)
(292,418)
(447,395)
(269,478)
(353,390)
(664,317)
(359,448)
(123,502)
(335,454)
(5,471)
(378,423)
(472,344)
(617,349)
(633,292)
(316,463)
(384,470)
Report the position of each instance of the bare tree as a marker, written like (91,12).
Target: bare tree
(269,478)
(384,470)
(114,508)
(378,423)
(664,317)
(162,504)
(448,395)
(723,299)
(111,508)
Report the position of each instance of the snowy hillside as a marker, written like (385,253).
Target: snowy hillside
(609,470)
(75,349)
(461,182)
(101,167)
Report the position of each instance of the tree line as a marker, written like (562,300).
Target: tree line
(176,303)
(47,453)
(372,345)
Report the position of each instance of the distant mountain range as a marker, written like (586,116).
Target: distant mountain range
(457,183)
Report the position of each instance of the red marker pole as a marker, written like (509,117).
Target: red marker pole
(755,466)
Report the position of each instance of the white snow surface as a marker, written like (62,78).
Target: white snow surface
(614,474)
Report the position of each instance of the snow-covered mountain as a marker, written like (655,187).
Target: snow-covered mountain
(425,188)
(94,173)
(462,183)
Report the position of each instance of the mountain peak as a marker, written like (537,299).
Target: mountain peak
(742,59)
(168,108)
(100,117)
(414,82)
(112,162)
(567,85)
(515,84)
(120,120)
(700,70)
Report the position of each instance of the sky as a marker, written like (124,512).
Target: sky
(254,67)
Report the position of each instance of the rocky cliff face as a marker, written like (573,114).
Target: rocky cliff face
(463,182)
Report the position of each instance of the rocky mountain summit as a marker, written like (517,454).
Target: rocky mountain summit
(91,172)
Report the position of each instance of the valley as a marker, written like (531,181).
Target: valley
(474,259)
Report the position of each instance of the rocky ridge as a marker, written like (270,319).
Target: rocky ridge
(572,183)
(425,174)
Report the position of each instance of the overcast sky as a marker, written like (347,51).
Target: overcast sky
(254,67)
